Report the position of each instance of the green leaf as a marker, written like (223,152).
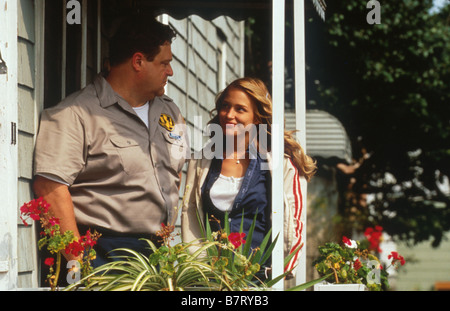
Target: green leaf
(249,237)
(308,284)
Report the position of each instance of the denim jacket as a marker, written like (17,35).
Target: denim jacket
(252,200)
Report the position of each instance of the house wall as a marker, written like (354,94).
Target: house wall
(197,65)
(424,266)
(27,84)
(207,56)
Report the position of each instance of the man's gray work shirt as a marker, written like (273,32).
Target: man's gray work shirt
(122,175)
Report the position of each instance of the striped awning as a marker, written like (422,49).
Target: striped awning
(325,135)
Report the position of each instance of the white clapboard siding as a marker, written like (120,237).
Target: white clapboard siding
(205,53)
(26,248)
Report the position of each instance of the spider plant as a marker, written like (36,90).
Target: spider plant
(212,263)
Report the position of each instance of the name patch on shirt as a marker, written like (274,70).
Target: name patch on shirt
(166,122)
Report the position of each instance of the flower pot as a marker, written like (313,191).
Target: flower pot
(321,287)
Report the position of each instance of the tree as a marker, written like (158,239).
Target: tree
(388,84)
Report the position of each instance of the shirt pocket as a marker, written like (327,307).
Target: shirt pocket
(176,147)
(132,156)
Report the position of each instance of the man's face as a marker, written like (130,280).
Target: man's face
(157,72)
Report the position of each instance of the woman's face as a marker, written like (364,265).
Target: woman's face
(237,108)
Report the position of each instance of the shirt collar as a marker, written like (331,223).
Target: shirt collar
(106,95)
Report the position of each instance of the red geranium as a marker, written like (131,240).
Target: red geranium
(49,261)
(77,247)
(346,240)
(373,235)
(396,258)
(55,240)
(53,221)
(357,264)
(237,239)
(34,209)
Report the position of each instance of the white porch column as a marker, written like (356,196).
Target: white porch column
(278,22)
(300,113)
(8,145)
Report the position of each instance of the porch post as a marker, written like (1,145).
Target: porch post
(300,114)
(278,22)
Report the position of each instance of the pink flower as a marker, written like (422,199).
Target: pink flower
(236,239)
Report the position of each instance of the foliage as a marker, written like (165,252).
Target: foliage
(354,263)
(57,241)
(215,263)
(388,84)
(247,262)
(168,268)
(235,254)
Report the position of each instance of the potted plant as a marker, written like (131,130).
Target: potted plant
(354,264)
(221,261)
(57,242)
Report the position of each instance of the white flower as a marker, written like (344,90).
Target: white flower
(349,243)
(353,244)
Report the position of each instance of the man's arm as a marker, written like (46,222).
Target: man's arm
(61,206)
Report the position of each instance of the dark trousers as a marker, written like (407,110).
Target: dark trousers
(107,245)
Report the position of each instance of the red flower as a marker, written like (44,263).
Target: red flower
(53,221)
(49,261)
(357,264)
(236,239)
(34,209)
(87,239)
(396,258)
(346,240)
(75,248)
(373,235)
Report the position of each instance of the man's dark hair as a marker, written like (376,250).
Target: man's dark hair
(138,34)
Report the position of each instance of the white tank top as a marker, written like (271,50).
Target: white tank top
(224,191)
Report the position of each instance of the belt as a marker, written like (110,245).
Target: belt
(111,233)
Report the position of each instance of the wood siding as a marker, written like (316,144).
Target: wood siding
(424,267)
(27,112)
(198,52)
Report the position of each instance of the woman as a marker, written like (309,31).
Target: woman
(236,182)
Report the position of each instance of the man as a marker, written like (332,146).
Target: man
(109,157)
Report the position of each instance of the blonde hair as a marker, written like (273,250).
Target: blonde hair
(257,91)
